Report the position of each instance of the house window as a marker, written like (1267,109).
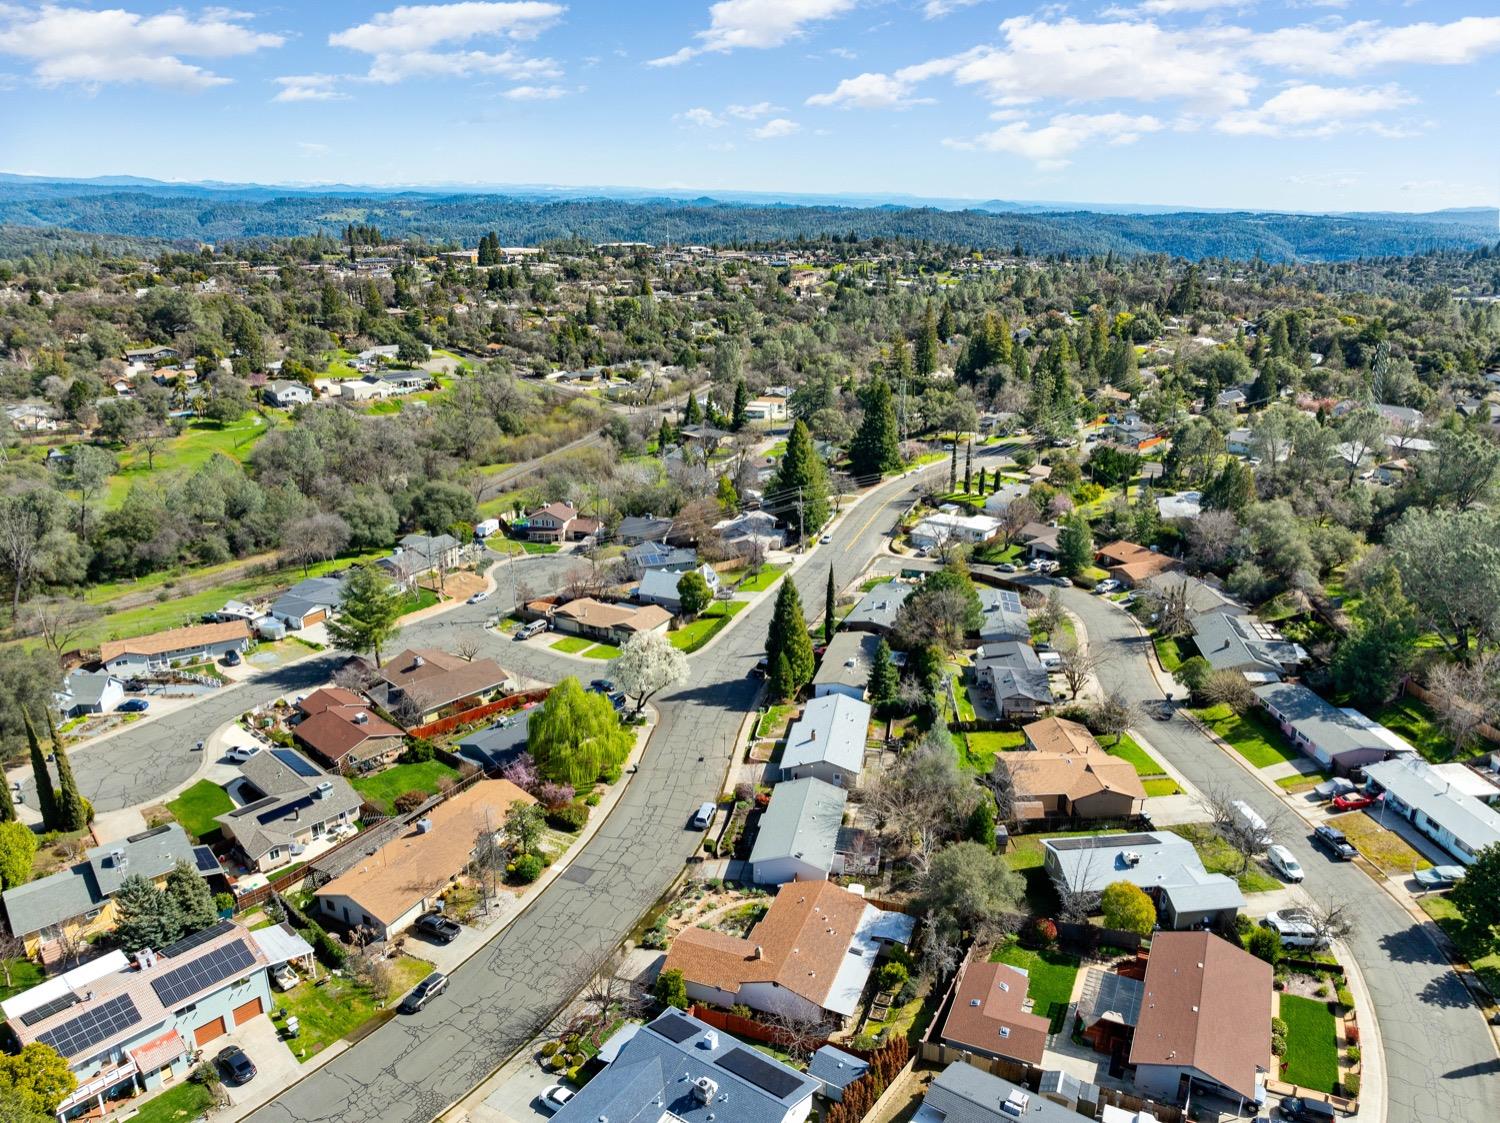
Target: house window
(274,854)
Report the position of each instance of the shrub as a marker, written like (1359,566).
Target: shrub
(1044,931)
(1351,1031)
(890,976)
(655,937)
(1351,1085)
(571,817)
(709,848)
(527,868)
(548,1048)
(1322,991)
(671,989)
(552,796)
(223,901)
(410,801)
(592,799)
(1264,944)
(1352,1055)
(740,1010)
(206,1074)
(419,750)
(1346,999)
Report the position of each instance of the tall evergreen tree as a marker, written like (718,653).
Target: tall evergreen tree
(191,896)
(741,403)
(46,798)
(969,465)
(829,605)
(72,809)
(145,918)
(692,412)
(1075,546)
(664,438)
(945,322)
(876,448)
(787,640)
(884,679)
(927,344)
(900,364)
(799,490)
(7,806)
(953,466)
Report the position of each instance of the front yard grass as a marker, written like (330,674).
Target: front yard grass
(382,788)
(1160,785)
(1382,846)
(1172,652)
(1050,974)
(1249,735)
(774,720)
(188,1100)
(24,975)
(572,645)
(197,806)
(762,580)
(1414,720)
(1312,1050)
(690,637)
(983,747)
(1445,915)
(602,651)
(1218,856)
(340,1006)
(1126,748)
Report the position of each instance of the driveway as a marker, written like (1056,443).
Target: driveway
(275,1065)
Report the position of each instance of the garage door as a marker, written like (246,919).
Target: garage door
(243,1014)
(317,616)
(209,1030)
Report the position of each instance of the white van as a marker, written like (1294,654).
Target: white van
(1284,863)
(1295,927)
(1248,821)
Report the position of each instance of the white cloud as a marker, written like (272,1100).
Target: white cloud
(752,112)
(703,118)
(309,87)
(1172,7)
(536,93)
(756,24)
(95,48)
(776,127)
(870,91)
(937,9)
(422,41)
(1051,145)
(843,52)
(1312,110)
(1350,48)
(311,148)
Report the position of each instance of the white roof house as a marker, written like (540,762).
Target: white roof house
(1456,821)
(828,741)
(1183,505)
(944,527)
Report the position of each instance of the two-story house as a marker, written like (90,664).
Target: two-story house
(292,804)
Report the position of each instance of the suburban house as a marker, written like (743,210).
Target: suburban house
(1198,596)
(289,805)
(1015,677)
(835,1070)
(1039,539)
(1205,1021)
(160,651)
(419,554)
(828,741)
(676,1068)
(1244,643)
(808,957)
(1240,442)
(1233,398)
(150,355)
(127,1027)
(798,835)
(751,529)
(1164,864)
(29,417)
(389,889)
(559,522)
(285,394)
(945,528)
(609,623)
(846,665)
(338,727)
(656,555)
(992,1014)
(423,683)
(998,501)
(1069,775)
(89,692)
(878,608)
(1455,820)
(310,601)
(497,746)
(1130,564)
(962,1093)
(637,529)
(766,408)
(1340,738)
(1181,505)
(76,903)
(1005,618)
(659,586)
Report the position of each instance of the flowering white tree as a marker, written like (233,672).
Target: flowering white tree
(648,665)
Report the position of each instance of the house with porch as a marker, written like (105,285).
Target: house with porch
(1442,810)
(340,729)
(89,692)
(1162,863)
(290,805)
(197,643)
(1067,774)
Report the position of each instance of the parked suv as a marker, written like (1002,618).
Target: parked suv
(1306,1111)
(438,926)
(424,992)
(1332,839)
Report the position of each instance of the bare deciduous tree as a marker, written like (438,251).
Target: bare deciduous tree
(1113,715)
(467,649)
(800,1037)
(1078,664)
(1229,688)
(1465,695)
(58,620)
(1246,837)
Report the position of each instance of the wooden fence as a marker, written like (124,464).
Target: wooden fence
(478,713)
(1422,694)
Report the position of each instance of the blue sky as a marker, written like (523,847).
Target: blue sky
(1307,104)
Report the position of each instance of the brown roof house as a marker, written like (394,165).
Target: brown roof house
(339,728)
(402,879)
(1205,1021)
(992,1014)
(161,650)
(420,683)
(609,623)
(808,957)
(1130,564)
(1068,773)
(559,522)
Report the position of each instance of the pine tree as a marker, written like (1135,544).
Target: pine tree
(73,811)
(782,687)
(1075,546)
(969,465)
(900,364)
(927,344)
(945,322)
(692,413)
(741,403)
(191,896)
(46,799)
(829,609)
(800,486)
(884,679)
(664,437)
(788,641)
(144,917)
(876,448)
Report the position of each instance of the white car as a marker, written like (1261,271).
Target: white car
(241,753)
(554,1098)
(1295,927)
(482,595)
(827,538)
(1109,585)
(1284,863)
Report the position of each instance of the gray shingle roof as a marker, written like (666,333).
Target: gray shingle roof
(1325,726)
(836,1068)
(1242,643)
(1155,859)
(291,805)
(962,1093)
(848,660)
(877,609)
(1005,618)
(802,821)
(1417,785)
(832,729)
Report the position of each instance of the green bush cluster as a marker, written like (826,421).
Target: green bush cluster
(571,817)
(526,869)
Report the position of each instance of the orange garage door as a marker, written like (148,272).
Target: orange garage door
(209,1030)
(243,1014)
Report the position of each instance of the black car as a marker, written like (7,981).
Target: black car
(1306,1111)
(1332,839)
(439,927)
(602,686)
(424,992)
(236,1065)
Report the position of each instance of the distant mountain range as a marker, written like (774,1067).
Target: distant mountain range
(130,206)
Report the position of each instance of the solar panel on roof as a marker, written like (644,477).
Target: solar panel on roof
(204,857)
(197,976)
(675,1028)
(197,939)
(47,1009)
(765,1075)
(92,1026)
(296,762)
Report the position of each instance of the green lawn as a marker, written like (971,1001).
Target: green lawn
(1051,976)
(196,807)
(1445,914)
(1172,652)
(1252,736)
(762,580)
(1219,857)
(1026,849)
(602,651)
(382,788)
(422,598)
(1153,778)
(1160,785)
(198,443)
(340,1006)
(690,637)
(188,1100)
(773,719)
(572,645)
(24,975)
(1312,1051)
(984,746)
(1415,721)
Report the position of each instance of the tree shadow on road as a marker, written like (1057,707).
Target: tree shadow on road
(1446,992)
(1410,945)
(1483,1068)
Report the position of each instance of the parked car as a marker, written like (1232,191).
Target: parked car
(827,538)
(1352,801)
(1007,567)
(1108,585)
(438,926)
(134,706)
(482,595)
(1295,927)
(1440,877)
(703,818)
(241,753)
(1283,862)
(1306,1111)
(762,667)
(284,977)
(526,631)
(602,686)
(424,992)
(232,659)
(617,700)
(1163,710)
(1332,839)
(554,1098)
(1330,788)
(235,1064)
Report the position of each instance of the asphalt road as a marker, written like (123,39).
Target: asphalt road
(1440,1060)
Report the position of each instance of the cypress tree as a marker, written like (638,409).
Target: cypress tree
(828,610)
(73,811)
(884,680)
(46,800)
(927,344)
(953,466)
(664,437)
(7,808)
(692,413)
(945,322)
(788,640)
(741,403)
(782,686)
(876,448)
(969,465)
(801,478)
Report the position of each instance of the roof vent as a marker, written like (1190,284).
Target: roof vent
(710,1040)
(424,826)
(325,789)
(1016,1103)
(361,718)
(975,1002)
(117,858)
(418,661)
(1132,858)
(1005,1031)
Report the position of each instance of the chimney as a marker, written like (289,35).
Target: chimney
(118,859)
(325,789)
(361,718)
(758,953)
(418,661)
(424,826)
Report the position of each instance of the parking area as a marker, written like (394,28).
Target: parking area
(276,1068)
(447,957)
(517,1099)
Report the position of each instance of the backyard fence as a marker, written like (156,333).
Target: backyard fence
(1422,694)
(478,713)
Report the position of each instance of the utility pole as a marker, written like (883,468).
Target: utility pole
(801,531)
